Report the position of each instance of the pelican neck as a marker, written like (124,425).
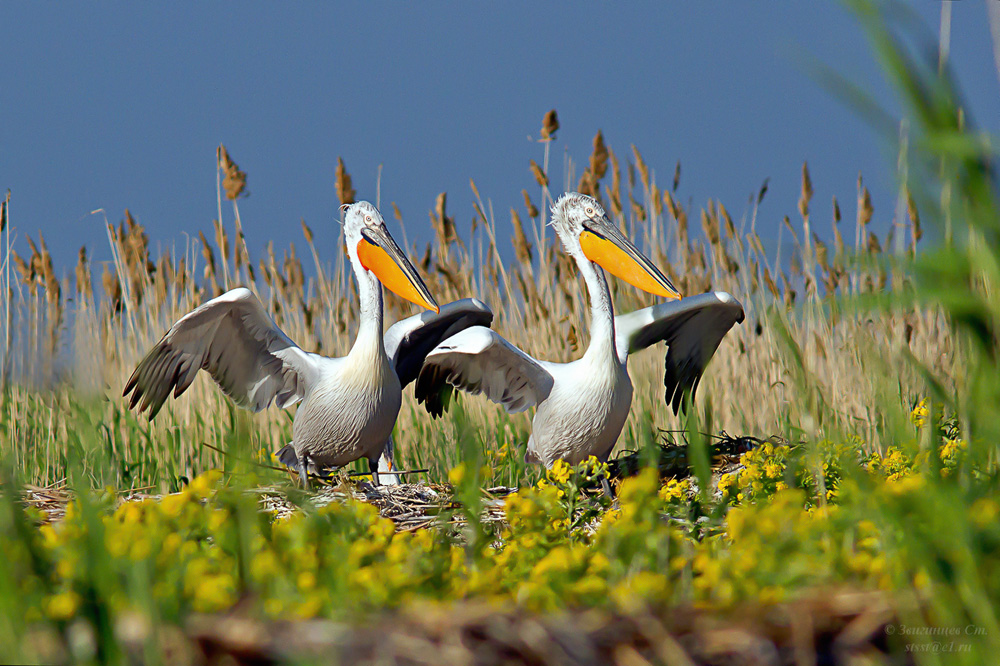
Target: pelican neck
(370,335)
(602,314)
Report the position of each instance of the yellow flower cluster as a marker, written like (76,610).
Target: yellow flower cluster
(897,465)
(208,547)
(765,472)
(777,546)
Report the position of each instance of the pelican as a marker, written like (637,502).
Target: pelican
(582,406)
(348,405)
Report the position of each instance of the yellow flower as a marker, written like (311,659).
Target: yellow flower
(921,580)
(307,580)
(65,567)
(310,607)
(920,413)
(557,561)
(457,474)
(264,565)
(173,505)
(951,448)
(129,512)
(675,490)
(203,485)
(984,511)
(599,563)
(214,592)
(62,606)
(559,472)
(590,586)
(140,548)
(364,577)
(49,536)
(217,518)
(645,586)
(726,482)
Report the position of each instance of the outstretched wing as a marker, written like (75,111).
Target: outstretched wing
(478,360)
(234,339)
(692,327)
(408,341)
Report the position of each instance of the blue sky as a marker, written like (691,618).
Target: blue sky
(121,105)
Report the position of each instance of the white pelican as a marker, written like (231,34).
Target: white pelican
(349,405)
(582,405)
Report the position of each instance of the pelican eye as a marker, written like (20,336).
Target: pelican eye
(368,218)
(590,211)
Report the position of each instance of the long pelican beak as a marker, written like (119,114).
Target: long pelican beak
(379,254)
(605,245)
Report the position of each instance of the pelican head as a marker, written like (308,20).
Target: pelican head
(585,229)
(372,249)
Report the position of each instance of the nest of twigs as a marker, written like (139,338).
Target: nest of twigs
(413,506)
(672,458)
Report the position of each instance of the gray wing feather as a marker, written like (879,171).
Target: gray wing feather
(478,360)
(408,341)
(692,327)
(234,339)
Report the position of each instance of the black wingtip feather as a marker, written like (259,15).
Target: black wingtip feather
(153,411)
(432,390)
(679,382)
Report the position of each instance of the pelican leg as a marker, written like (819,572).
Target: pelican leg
(303,471)
(607,487)
(373,468)
(605,479)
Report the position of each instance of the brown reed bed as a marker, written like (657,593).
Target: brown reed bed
(64,340)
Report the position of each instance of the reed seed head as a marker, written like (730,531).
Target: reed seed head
(807,191)
(531,208)
(550,125)
(343,185)
(235,182)
(640,164)
(762,191)
(599,157)
(865,209)
(540,177)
